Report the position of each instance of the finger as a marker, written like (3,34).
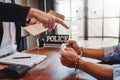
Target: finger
(70,43)
(66,62)
(32,22)
(44,19)
(52,23)
(63,53)
(49,22)
(52,19)
(68,49)
(63,60)
(57,20)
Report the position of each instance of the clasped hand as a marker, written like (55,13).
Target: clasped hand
(69,54)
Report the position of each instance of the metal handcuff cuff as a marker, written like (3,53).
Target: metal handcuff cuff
(79,56)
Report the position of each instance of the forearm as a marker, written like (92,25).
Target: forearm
(99,71)
(13,12)
(93,53)
(37,14)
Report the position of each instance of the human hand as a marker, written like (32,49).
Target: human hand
(68,57)
(32,21)
(73,44)
(46,19)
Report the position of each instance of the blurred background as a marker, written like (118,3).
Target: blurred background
(93,23)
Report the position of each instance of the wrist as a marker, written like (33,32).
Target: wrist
(32,13)
(81,63)
(80,51)
(78,58)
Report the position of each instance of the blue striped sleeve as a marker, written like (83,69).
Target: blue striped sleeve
(112,54)
(116,72)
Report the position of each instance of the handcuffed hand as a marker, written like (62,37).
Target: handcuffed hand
(68,57)
(73,44)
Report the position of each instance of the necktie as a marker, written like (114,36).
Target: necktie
(1,32)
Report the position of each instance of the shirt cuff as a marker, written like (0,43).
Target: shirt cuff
(108,51)
(116,72)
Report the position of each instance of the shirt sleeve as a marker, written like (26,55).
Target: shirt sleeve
(112,54)
(116,72)
(13,12)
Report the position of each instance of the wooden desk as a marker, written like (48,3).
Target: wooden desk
(51,68)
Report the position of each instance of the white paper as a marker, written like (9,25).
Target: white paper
(35,59)
(35,29)
(9,59)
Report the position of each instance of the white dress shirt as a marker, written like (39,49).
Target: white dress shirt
(9,32)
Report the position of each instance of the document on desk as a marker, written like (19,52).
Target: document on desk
(9,56)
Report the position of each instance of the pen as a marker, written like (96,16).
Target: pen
(21,57)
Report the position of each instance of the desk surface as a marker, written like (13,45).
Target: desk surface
(51,68)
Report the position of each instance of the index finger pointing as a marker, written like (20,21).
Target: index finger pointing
(57,20)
